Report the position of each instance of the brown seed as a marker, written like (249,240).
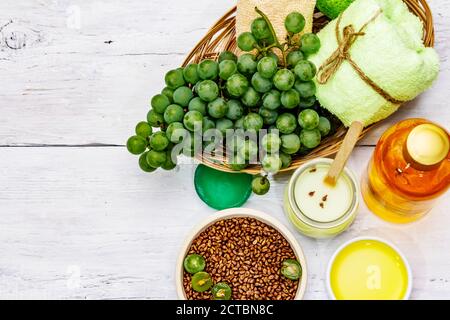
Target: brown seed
(246,254)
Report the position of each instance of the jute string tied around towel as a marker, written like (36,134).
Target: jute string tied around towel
(342,53)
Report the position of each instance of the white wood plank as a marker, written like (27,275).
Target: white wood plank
(91,210)
(65,85)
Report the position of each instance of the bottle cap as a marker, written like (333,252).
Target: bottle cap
(427,144)
(222,190)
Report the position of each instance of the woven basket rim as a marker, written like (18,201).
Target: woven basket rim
(222,36)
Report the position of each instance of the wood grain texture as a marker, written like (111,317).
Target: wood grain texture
(66,82)
(344,153)
(92,211)
(78,219)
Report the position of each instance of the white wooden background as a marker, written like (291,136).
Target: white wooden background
(78,219)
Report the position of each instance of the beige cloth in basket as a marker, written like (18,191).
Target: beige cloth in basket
(276,10)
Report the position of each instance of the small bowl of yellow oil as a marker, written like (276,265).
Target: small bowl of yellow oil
(369,268)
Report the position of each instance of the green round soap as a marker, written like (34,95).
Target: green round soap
(222,190)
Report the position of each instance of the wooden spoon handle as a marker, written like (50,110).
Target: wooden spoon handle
(350,140)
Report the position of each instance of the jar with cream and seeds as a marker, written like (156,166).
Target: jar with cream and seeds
(317,209)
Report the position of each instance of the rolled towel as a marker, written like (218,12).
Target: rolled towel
(390,53)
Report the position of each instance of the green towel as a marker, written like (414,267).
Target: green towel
(391,53)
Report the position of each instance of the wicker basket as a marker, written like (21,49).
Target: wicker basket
(222,36)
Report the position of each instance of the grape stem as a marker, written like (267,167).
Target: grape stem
(277,44)
(269,24)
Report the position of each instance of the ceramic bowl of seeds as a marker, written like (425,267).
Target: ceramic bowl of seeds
(241,254)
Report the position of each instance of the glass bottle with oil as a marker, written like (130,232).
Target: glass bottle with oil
(409,170)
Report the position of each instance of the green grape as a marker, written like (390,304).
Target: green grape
(305,89)
(260,29)
(260,185)
(189,145)
(294,22)
(291,269)
(227,55)
(197,104)
(168,93)
(246,41)
(290,99)
(136,144)
(143,129)
(286,160)
(143,163)
(182,96)
(274,56)
(247,64)
(190,74)
(234,144)
(195,87)
(248,150)
(237,164)
(267,67)
(251,97)
(305,70)
(286,123)
(253,121)
(239,123)
(194,263)
(284,79)
(169,164)
(208,124)
(294,57)
(271,164)
(173,113)
(226,69)
(237,85)
(271,142)
(159,141)
(235,110)
(159,103)
(261,84)
(156,159)
(208,90)
(218,108)
(223,125)
(308,119)
(310,138)
(290,143)
(191,119)
(303,151)
(267,42)
(272,100)
(307,102)
(221,291)
(174,78)
(324,126)
(269,116)
(310,43)
(201,281)
(176,132)
(155,119)
(208,69)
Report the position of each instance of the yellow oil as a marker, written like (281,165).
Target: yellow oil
(369,270)
(396,188)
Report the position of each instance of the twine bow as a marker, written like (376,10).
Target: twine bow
(342,53)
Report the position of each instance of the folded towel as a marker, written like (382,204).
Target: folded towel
(390,53)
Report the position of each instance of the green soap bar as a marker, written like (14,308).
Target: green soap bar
(222,190)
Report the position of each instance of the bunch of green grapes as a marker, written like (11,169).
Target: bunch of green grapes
(269,87)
